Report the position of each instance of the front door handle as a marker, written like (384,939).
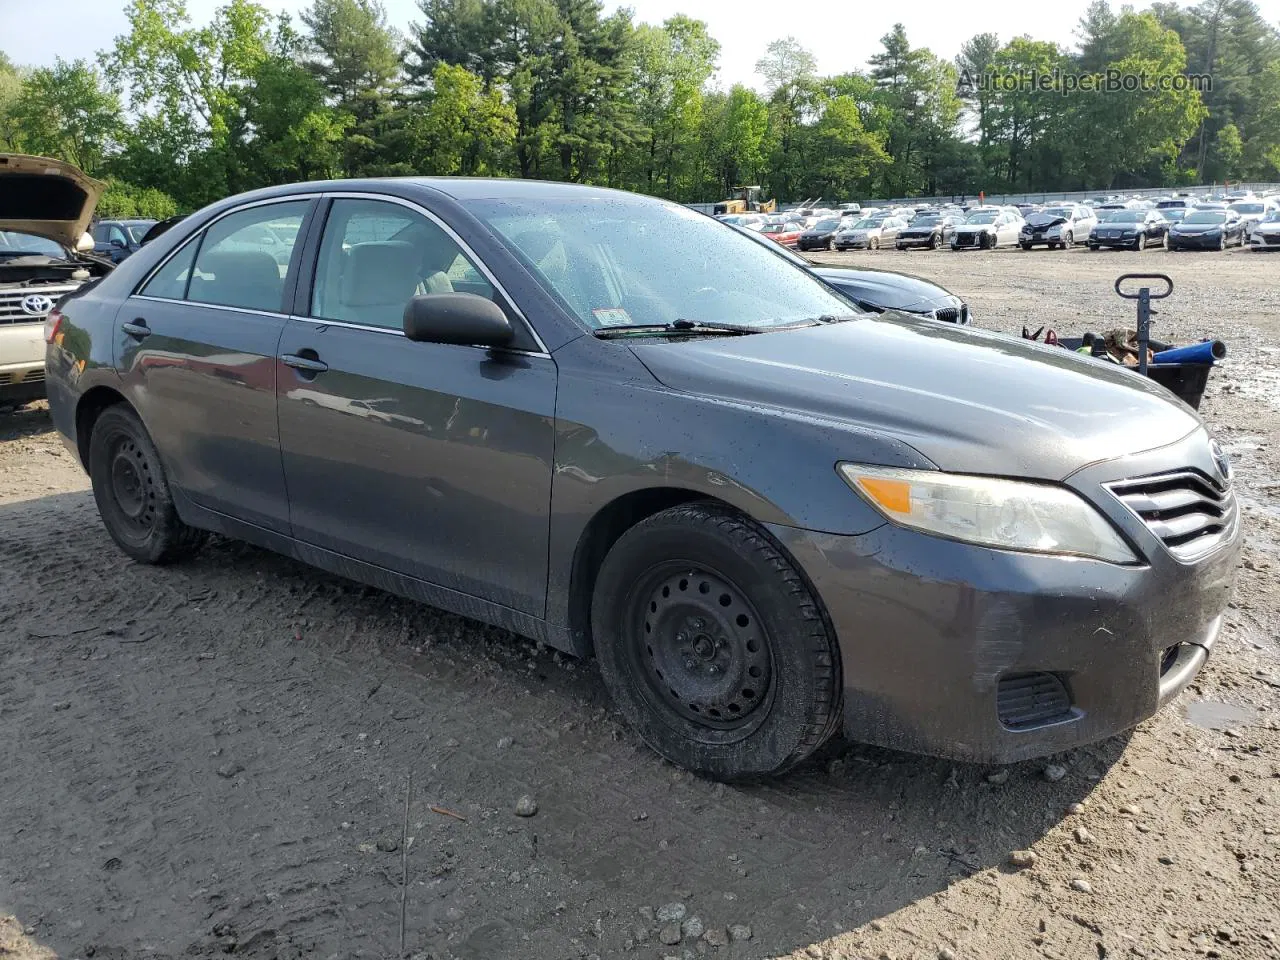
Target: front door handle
(309,364)
(137,329)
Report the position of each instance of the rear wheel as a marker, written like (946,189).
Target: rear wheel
(132,492)
(713,646)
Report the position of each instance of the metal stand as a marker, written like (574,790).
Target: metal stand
(1144,296)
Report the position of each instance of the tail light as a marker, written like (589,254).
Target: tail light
(53,326)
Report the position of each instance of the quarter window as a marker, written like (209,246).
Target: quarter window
(377,256)
(244,257)
(170,281)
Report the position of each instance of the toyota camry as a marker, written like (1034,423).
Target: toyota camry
(614,425)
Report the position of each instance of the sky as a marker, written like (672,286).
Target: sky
(841,33)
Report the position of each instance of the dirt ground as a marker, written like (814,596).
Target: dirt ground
(214,757)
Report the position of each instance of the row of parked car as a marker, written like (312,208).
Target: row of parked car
(1175,222)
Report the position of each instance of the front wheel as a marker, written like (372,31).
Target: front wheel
(1026,246)
(1068,240)
(132,491)
(1222,241)
(713,646)
(873,243)
(935,241)
(1141,243)
(1094,247)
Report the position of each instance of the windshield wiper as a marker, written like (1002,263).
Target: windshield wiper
(681,327)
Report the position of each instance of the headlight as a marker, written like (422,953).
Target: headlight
(1006,514)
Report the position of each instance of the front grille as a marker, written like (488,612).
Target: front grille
(1189,512)
(947,314)
(11,301)
(1032,700)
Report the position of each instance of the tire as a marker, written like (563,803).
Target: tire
(1094,247)
(1141,243)
(664,633)
(1026,246)
(1222,241)
(935,241)
(873,243)
(132,491)
(1068,240)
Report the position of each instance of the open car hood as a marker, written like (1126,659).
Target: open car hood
(46,198)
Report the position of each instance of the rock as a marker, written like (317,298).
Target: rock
(514,876)
(816,952)
(1225,933)
(646,913)
(669,912)
(526,806)
(62,705)
(878,927)
(715,936)
(1080,885)
(1083,835)
(946,953)
(1130,810)
(669,934)
(224,929)
(388,844)
(1000,777)
(692,928)
(739,932)
(640,933)
(1166,860)
(504,742)
(1054,772)
(1021,859)
(229,770)
(1075,809)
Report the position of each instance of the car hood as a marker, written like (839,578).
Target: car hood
(892,291)
(46,198)
(970,401)
(1045,220)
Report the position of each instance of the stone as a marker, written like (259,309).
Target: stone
(674,911)
(526,806)
(998,778)
(1080,885)
(946,953)
(646,913)
(715,936)
(1131,810)
(229,770)
(739,932)
(1022,859)
(669,934)
(692,928)
(505,742)
(1075,809)
(388,844)
(1083,836)
(1054,772)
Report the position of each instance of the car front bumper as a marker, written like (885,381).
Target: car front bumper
(1265,241)
(847,244)
(1113,241)
(21,361)
(916,241)
(991,656)
(1201,241)
(1044,239)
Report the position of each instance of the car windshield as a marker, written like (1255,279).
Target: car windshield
(926,221)
(826,225)
(983,216)
(1126,216)
(1174,213)
(619,261)
(14,244)
(1056,211)
(1247,207)
(866,223)
(1206,216)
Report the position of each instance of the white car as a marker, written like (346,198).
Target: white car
(41,260)
(1266,233)
(1252,211)
(987,229)
(1058,226)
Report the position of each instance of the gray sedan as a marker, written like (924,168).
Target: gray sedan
(612,424)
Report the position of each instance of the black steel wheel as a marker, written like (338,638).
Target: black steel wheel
(713,646)
(132,492)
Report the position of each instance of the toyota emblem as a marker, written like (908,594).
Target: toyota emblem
(36,305)
(1220,461)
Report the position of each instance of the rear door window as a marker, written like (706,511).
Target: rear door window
(244,257)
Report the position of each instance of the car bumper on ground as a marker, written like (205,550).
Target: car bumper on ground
(990,656)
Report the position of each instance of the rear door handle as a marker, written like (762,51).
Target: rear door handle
(137,329)
(304,363)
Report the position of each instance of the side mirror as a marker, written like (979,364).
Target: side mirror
(461,318)
(85,244)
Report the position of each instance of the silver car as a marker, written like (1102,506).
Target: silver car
(868,233)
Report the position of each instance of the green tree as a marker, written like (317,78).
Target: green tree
(128,201)
(10,88)
(790,75)
(65,111)
(1226,154)
(353,53)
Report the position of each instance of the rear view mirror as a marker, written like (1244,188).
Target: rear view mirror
(460,318)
